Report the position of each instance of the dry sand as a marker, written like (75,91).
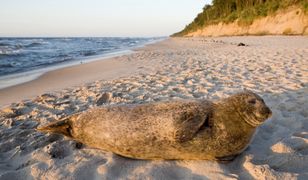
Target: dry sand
(274,67)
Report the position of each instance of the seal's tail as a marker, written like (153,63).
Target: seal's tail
(60,127)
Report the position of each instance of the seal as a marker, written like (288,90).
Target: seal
(186,129)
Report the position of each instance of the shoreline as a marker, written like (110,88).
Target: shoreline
(23,77)
(48,79)
(66,77)
(14,79)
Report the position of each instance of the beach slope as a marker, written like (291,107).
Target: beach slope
(275,67)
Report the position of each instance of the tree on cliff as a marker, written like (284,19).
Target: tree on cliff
(245,11)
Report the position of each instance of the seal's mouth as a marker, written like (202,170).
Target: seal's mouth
(258,118)
(253,121)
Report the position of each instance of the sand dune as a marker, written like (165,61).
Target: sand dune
(180,68)
(289,21)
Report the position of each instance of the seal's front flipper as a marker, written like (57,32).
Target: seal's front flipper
(60,127)
(191,124)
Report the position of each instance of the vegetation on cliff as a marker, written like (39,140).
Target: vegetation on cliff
(245,11)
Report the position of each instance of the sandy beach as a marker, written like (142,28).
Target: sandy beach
(275,67)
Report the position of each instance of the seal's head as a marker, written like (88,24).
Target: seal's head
(251,108)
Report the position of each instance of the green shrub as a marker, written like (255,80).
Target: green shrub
(231,18)
(246,17)
(305,5)
(262,10)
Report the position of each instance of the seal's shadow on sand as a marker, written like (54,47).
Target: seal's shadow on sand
(123,167)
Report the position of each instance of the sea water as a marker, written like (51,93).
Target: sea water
(23,59)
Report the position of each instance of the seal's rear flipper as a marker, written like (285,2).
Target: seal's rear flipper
(59,127)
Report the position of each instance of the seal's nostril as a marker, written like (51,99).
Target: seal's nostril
(267,111)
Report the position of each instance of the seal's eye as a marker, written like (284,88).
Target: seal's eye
(252,101)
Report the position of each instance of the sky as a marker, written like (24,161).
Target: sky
(128,18)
